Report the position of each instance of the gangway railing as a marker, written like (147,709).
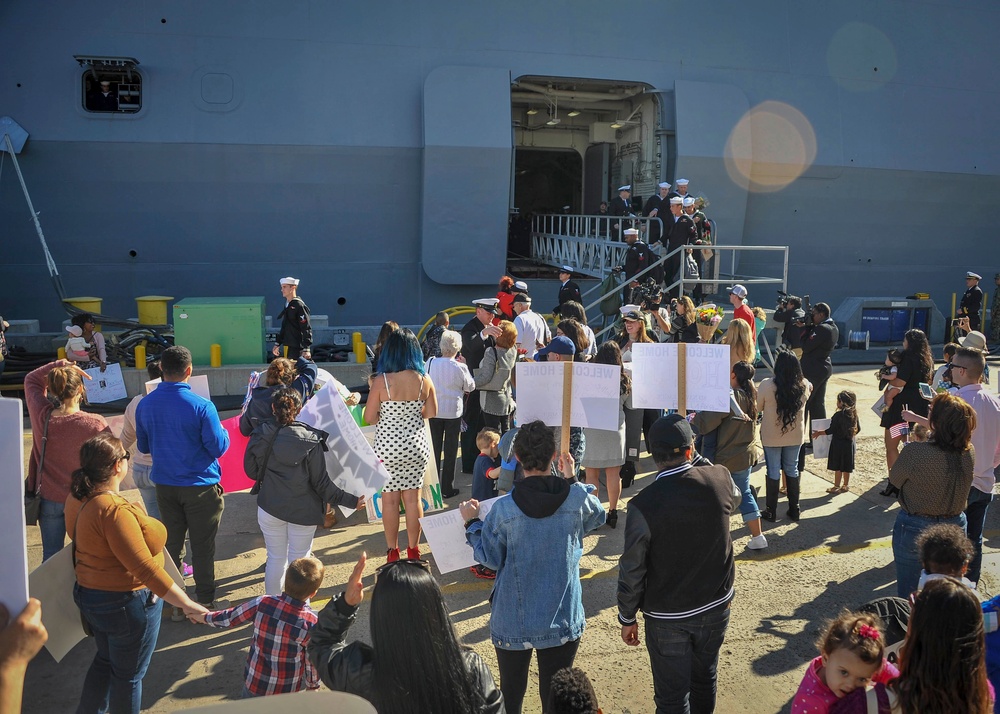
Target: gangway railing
(591,244)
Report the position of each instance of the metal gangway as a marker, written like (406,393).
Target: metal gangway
(591,244)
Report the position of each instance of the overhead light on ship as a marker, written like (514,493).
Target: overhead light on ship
(573,113)
(553,121)
(616,124)
(532,112)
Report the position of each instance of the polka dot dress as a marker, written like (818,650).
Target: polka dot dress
(401,442)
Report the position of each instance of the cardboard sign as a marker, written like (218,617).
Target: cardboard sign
(655,376)
(594,397)
(446,536)
(106,386)
(13,546)
(52,584)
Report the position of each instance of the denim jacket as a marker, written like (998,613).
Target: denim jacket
(537,600)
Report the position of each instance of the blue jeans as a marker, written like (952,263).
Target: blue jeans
(748,506)
(52,524)
(975,513)
(684,656)
(147,489)
(904,549)
(777,458)
(125,629)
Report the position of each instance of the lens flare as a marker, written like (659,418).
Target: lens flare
(770,146)
(861,57)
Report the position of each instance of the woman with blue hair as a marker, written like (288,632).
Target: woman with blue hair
(402,397)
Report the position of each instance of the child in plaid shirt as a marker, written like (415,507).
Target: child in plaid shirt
(277,662)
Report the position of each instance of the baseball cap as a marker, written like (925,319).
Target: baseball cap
(561,345)
(738,291)
(671,432)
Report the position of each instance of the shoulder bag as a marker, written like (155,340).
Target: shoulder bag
(33,500)
(255,489)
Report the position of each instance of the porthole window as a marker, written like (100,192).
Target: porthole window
(110,85)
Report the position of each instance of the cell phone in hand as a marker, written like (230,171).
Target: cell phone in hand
(926,391)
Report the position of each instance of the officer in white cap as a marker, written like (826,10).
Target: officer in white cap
(680,231)
(620,205)
(478,335)
(972,301)
(654,208)
(568,290)
(296,329)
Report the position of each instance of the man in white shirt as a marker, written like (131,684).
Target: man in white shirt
(532,331)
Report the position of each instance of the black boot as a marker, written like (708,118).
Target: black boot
(771,499)
(793,497)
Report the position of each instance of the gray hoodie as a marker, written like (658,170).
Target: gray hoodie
(296,486)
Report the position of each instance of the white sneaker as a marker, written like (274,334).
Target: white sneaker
(757,542)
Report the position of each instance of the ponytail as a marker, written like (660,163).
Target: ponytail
(99,457)
(286,403)
(64,383)
(744,372)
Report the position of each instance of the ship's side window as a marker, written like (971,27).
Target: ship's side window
(112,91)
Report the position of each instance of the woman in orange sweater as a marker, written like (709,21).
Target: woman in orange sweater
(120,580)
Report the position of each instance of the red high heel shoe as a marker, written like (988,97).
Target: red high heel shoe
(413,553)
(392,555)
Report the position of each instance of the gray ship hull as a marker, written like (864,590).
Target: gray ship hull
(369,151)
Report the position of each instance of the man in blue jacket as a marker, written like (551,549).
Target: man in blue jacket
(183,433)
(677,568)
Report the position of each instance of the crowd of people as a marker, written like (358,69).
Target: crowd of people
(677,566)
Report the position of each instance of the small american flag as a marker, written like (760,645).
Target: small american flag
(901,429)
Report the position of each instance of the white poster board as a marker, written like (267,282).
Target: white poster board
(13,546)
(655,381)
(321,702)
(106,386)
(351,461)
(198,382)
(821,444)
(446,536)
(52,584)
(595,395)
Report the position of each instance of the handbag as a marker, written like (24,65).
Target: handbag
(87,629)
(33,500)
(255,489)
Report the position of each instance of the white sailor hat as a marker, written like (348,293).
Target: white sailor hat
(627,187)
(631,312)
(688,201)
(676,201)
(521,286)
(682,182)
(488,304)
(631,231)
(972,276)
(289,281)
(566,269)
(663,184)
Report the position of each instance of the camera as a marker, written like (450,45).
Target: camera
(647,295)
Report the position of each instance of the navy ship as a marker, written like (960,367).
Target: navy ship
(378,152)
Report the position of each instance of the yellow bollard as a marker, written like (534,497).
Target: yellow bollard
(355,339)
(216,358)
(360,353)
(140,356)
(61,353)
(284,351)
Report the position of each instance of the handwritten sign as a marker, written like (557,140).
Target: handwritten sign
(655,376)
(446,536)
(351,461)
(14,545)
(595,394)
(106,386)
